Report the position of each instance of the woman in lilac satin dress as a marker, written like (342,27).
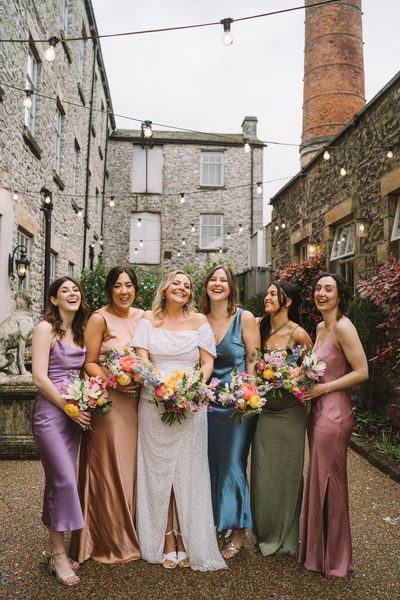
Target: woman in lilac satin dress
(57,348)
(326,539)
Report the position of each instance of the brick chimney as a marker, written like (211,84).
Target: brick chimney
(249,127)
(333,72)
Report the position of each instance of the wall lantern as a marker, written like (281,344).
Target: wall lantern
(21,263)
(362,226)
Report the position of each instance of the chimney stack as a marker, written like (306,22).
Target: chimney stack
(333,72)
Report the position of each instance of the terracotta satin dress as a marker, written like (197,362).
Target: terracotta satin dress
(326,539)
(107,470)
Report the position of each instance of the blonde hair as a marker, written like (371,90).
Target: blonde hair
(159,302)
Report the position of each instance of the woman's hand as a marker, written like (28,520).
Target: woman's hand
(319,389)
(83,419)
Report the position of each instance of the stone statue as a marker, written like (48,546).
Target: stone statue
(15,334)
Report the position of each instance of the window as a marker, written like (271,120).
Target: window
(211,232)
(345,268)
(71,269)
(31,84)
(65,16)
(81,57)
(396,225)
(75,167)
(25,240)
(57,139)
(343,244)
(147,176)
(53,265)
(145,240)
(212,169)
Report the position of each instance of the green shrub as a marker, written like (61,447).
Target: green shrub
(92,282)
(255,304)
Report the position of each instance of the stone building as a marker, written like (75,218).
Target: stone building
(58,143)
(180,198)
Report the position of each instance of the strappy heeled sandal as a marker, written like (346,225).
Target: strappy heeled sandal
(170,556)
(74,563)
(182,556)
(68,580)
(230,550)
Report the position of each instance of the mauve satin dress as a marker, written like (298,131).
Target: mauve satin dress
(326,538)
(107,469)
(57,440)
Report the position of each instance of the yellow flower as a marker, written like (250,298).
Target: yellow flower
(241,405)
(170,383)
(284,353)
(100,400)
(123,379)
(137,378)
(254,401)
(177,375)
(126,349)
(71,410)
(168,392)
(268,374)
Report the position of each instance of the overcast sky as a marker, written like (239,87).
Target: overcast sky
(189,79)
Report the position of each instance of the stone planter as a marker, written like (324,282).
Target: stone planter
(16,436)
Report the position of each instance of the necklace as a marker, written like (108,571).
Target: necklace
(271,333)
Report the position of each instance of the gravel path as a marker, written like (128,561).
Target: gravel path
(375,518)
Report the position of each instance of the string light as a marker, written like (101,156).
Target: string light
(179,253)
(183,242)
(15,195)
(276,227)
(227,38)
(136,250)
(259,187)
(240,228)
(192,228)
(220,250)
(343,171)
(139,222)
(246,146)
(228,235)
(389,154)
(326,155)
(79,213)
(101,241)
(27,101)
(112,202)
(283,225)
(146,129)
(50,52)
(182,198)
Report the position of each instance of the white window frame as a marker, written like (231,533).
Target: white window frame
(53,265)
(150,234)
(211,231)
(57,139)
(396,224)
(344,241)
(24,239)
(31,84)
(211,169)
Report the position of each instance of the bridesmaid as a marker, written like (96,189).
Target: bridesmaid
(326,539)
(237,337)
(278,447)
(107,470)
(57,348)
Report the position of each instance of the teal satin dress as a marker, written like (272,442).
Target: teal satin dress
(229,440)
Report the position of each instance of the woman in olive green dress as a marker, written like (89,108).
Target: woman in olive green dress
(278,446)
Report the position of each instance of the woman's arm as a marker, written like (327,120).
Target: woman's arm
(300,336)
(206,363)
(347,338)
(42,339)
(94,335)
(251,339)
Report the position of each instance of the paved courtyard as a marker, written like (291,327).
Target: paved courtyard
(375,518)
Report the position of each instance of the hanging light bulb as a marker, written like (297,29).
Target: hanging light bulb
(139,222)
(141,243)
(101,242)
(27,101)
(228,235)
(146,129)
(136,250)
(192,228)
(220,250)
(276,227)
(389,153)
(15,195)
(50,52)
(112,202)
(182,198)
(343,171)
(259,187)
(179,253)
(283,225)
(326,155)
(79,213)
(227,38)
(246,146)
(183,242)
(240,228)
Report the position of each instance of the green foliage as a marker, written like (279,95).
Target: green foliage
(255,304)
(380,430)
(92,282)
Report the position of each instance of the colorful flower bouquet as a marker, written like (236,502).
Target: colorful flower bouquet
(182,393)
(85,394)
(293,370)
(127,367)
(242,394)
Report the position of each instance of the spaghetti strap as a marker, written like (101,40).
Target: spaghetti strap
(291,335)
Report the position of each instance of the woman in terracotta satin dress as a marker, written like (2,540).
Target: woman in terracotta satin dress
(326,538)
(107,470)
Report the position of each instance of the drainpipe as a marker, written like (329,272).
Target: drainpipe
(103,200)
(251,189)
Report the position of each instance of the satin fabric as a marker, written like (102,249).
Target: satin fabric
(57,439)
(229,440)
(107,469)
(326,537)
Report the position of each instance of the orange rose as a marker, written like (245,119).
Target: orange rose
(126,363)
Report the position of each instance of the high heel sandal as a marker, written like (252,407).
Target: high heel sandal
(68,580)
(74,563)
(181,555)
(230,550)
(171,556)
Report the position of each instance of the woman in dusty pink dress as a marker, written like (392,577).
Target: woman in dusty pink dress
(107,469)
(326,539)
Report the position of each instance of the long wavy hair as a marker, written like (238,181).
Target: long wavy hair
(112,278)
(343,288)
(52,313)
(159,301)
(285,290)
(205,305)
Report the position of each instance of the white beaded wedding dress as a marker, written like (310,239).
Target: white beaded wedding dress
(174,456)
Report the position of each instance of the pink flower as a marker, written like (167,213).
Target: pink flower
(160,391)
(92,403)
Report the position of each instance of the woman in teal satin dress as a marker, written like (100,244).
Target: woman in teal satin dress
(236,336)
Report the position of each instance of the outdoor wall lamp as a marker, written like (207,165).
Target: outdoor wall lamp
(362,226)
(21,263)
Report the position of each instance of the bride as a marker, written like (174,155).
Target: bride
(173,481)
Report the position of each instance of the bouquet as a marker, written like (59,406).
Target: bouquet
(85,394)
(311,371)
(242,395)
(126,366)
(182,393)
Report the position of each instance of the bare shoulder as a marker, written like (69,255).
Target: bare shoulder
(44,328)
(197,319)
(344,327)
(248,317)
(96,321)
(300,336)
(148,316)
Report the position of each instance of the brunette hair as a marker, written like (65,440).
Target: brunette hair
(285,290)
(158,305)
(52,313)
(112,277)
(343,288)
(205,305)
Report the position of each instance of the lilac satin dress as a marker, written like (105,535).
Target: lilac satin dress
(57,439)
(326,539)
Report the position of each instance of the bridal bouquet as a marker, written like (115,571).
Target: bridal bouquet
(85,394)
(310,372)
(242,394)
(181,393)
(126,366)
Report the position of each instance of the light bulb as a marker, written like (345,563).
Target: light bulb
(183,242)
(141,243)
(326,155)
(389,154)
(362,227)
(192,228)
(136,250)
(228,237)
(50,52)
(101,242)
(179,253)
(259,188)
(182,199)
(240,228)
(220,251)
(276,227)
(112,203)
(343,172)
(79,213)
(283,225)
(27,101)
(147,130)
(47,199)
(15,195)
(227,38)
(247,147)
(139,222)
